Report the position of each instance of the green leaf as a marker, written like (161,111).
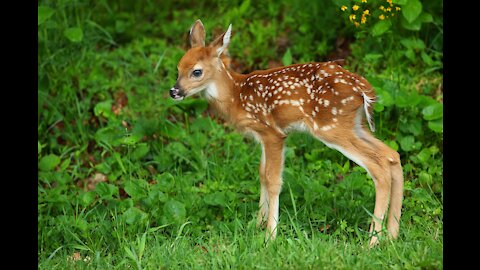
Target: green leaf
(393,144)
(140,151)
(130,139)
(134,215)
(381,27)
(44,13)
(425,178)
(171,131)
(411,10)
(135,188)
(244,6)
(287,58)
(49,162)
(106,191)
(74,34)
(432,112)
(104,109)
(165,182)
(416,25)
(427,59)
(39,148)
(424,155)
(426,17)
(384,98)
(87,198)
(408,143)
(413,43)
(174,211)
(217,198)
(436,125)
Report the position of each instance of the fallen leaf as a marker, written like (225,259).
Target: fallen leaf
(90,183)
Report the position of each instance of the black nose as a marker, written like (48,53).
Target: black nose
(174,92)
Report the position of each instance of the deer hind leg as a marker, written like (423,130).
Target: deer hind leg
(396,171)
(375,162)
(272,180)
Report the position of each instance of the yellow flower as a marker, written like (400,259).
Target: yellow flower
(355,7)
(366,12)
(390,2)
(343,8)
(364,1)
(356,24)
(352,17)
(389,9)
(382,8)
(381,17)
(363,19)
(397,8)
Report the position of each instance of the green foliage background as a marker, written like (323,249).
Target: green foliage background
(129,178)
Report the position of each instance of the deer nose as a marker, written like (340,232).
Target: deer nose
(176,93)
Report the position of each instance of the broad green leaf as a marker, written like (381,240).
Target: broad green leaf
(416,25)
(384,98)
(74,34)
(86,198)
(130,139)
(393,144)
(140,151)
(424,155)
(217,198)
(109,135)
(49,162)
(134,215)
(410,54)
(413,43)
(432,112)
(436,125)
(425,178)
(39,147)
(427,59)
(174,211)
(381,27)
(165,182)
(44,13)
(106,191)
(135,188)
(408,143)
(287,58)
(411,10)
(426,17)
(104,109)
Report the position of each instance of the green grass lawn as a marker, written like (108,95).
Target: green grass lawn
(130,179)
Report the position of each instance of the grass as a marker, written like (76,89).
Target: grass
(129,179)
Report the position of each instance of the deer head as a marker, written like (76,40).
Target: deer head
(201,65)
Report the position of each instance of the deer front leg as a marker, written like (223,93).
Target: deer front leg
(263,204)
(273,180)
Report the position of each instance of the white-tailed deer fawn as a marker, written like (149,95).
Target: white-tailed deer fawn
(321,98)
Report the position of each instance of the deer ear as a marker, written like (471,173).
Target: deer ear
(221,43)
(197,34)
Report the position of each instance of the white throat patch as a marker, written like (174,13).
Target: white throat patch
(211,91)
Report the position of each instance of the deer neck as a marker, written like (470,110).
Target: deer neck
(221,91)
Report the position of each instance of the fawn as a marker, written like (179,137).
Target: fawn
(319,97)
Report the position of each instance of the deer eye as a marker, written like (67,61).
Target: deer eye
(197,73)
